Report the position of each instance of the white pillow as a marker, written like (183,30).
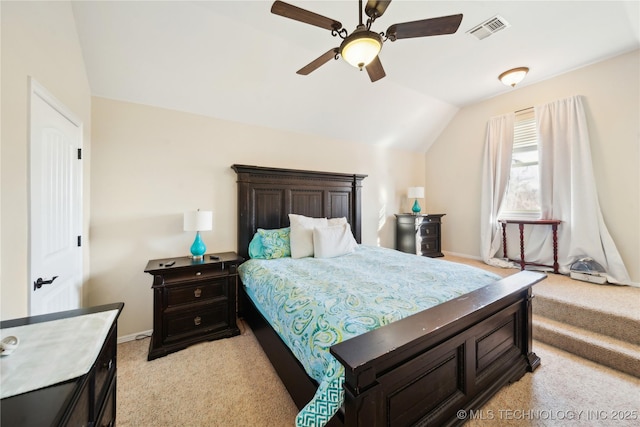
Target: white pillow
(301,235)
(333,241)
(336,221)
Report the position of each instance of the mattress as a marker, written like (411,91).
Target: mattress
(314,303)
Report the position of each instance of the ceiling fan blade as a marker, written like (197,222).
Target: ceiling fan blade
(375,8)
(293,12)
(375,70)
(316,63)
(426,27)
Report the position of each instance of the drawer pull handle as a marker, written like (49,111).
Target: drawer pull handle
(427,231)
(197,320)
(107,365)
(197,293)
(198,273)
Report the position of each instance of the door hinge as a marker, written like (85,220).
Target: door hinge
(79,153)
(79,240)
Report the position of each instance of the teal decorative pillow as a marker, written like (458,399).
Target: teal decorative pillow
(275,243)
(256,250)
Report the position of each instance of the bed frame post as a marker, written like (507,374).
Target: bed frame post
(357,201)
(532,359)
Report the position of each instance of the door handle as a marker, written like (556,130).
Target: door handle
(38,283)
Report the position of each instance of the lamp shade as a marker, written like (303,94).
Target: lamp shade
(415,193)
(198,220)
(361,47)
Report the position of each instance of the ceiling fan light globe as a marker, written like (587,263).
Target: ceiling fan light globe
(360,48)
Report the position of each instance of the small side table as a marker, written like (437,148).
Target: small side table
(419,234)
(521,223)
(193,301)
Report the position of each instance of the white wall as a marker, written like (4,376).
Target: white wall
(611,91)
(149,165)
(39,39)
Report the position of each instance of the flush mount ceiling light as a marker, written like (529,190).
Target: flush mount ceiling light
(514,76)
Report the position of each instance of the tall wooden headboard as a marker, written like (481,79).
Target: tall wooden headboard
(266,196)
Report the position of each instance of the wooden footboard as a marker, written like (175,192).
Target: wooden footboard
(425,368)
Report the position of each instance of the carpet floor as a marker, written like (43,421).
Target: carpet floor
(619,300)
(230,382)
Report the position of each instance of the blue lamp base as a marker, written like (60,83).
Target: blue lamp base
(416,208)
(198,248)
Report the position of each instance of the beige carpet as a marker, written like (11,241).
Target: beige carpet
(230,382)
(227,382)
(621,300)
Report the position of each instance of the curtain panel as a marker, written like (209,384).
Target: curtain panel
(568,192)
(498,150)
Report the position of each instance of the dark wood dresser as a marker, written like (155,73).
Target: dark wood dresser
(89,400)
(419,234)
(193,301)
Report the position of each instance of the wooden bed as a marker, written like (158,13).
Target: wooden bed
(421,370)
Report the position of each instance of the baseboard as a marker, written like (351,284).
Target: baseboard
(136,336)
(477,258)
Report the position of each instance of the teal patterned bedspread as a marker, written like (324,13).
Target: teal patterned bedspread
(314,303)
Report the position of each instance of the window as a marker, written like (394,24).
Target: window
(523,192)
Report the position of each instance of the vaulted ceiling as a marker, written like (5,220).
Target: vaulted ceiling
(237,61)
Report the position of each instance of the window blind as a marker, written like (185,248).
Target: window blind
(524,131)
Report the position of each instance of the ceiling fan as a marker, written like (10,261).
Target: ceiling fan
(361,47)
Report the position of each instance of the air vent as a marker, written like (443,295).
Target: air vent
(489,27)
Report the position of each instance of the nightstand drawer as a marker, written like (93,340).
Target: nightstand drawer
(201,291)
(429,229)
(190,274)
(206,319)
(429,245)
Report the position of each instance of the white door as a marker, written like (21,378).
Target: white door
(55,205)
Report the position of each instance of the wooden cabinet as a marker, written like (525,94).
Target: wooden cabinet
(419,234)
(193,301)
(88,400)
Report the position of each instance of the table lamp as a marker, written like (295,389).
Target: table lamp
(198,221)
(415,193)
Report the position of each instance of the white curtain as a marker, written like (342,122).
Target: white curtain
(568,193)
(495,177)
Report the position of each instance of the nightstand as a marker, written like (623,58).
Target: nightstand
(419,234)
(193,301)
